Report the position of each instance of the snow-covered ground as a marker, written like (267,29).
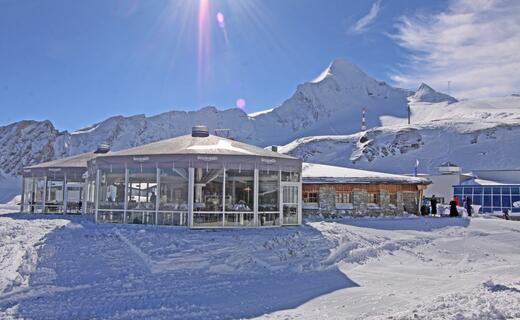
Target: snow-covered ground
(398,268)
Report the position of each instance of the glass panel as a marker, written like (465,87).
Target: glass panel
(91,194)
(239,190)
(487,201)
(506,201)
(515,201)
(477,190)
(515,190)
(239,220)
(496,191)
(207,219)
(208,189)
(142,189)
(173,189)
(457,190)
(477,200)
(28,194)
(74,197)
(268,191)
(496,201)
(468,191)
(110,216)
(112,189)
(291,176)
(54,197)
(487,190)
(268,218)
(506,190)
(290,205)
(172,218)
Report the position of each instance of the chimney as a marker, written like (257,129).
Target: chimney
(102,148)
(199,131)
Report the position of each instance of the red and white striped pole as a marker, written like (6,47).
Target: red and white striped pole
(363,120)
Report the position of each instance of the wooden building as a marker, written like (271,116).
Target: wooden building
(331,190)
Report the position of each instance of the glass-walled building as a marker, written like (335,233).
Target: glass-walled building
(56,186)
(196,180)
(491,198)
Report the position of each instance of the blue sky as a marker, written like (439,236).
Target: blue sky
(79,62)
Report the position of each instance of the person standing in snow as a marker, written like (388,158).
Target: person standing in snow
(456,199)
(469,202)
(453,209)
(433,203)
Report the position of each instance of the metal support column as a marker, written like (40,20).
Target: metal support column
(157,193)
(191,183)
(255,197)
(65,193)
(125,203)
(224,197)
(97,190)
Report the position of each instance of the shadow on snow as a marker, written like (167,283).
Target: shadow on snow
(88,270)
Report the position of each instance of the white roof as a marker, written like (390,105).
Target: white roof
(320,173)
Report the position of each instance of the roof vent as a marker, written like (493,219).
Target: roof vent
(199,131)
(103,148)
(274,148)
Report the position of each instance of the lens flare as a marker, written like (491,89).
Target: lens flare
(220,19)
(241,103)
(204,33)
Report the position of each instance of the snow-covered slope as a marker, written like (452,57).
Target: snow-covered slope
(330,104)
(474,134)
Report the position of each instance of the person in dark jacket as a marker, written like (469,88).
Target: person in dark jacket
(469,202)
(453,209)
(433,203)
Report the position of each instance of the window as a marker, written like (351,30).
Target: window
(240,190)
(173,189)
(373,197)
(112,189)
(393,198)
(291,176)
(310,196)
(268,191)
(343,197)
(208,190)
(142,189)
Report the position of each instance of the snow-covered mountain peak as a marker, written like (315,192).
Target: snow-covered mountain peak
(425,93)
(342,71)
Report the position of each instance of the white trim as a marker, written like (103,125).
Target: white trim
(157,192)
(65,193)
(97,190)
(224,196)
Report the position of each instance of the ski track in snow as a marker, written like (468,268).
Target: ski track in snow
(374,268)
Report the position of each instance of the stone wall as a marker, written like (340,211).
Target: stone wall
(361,205)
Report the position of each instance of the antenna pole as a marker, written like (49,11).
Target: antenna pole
(363,120)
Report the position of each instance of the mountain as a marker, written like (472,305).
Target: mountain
(474,134)
(425,93)
(331,104)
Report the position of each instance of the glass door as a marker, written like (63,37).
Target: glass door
(74,198)
(290,203)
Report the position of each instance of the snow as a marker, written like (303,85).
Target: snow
(371,268)
(254,114)
(313,172)
(475,134)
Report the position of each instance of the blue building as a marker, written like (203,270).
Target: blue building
(493,190)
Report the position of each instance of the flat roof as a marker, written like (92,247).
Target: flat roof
(320,173)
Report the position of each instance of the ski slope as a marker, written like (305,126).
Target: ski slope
(404,268)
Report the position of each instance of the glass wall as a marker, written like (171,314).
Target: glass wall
(290,204)
(208,197)
(111,195)
(268,198)
(239,197)
(490,198)
(173,196)
(28,194)
(142,195)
